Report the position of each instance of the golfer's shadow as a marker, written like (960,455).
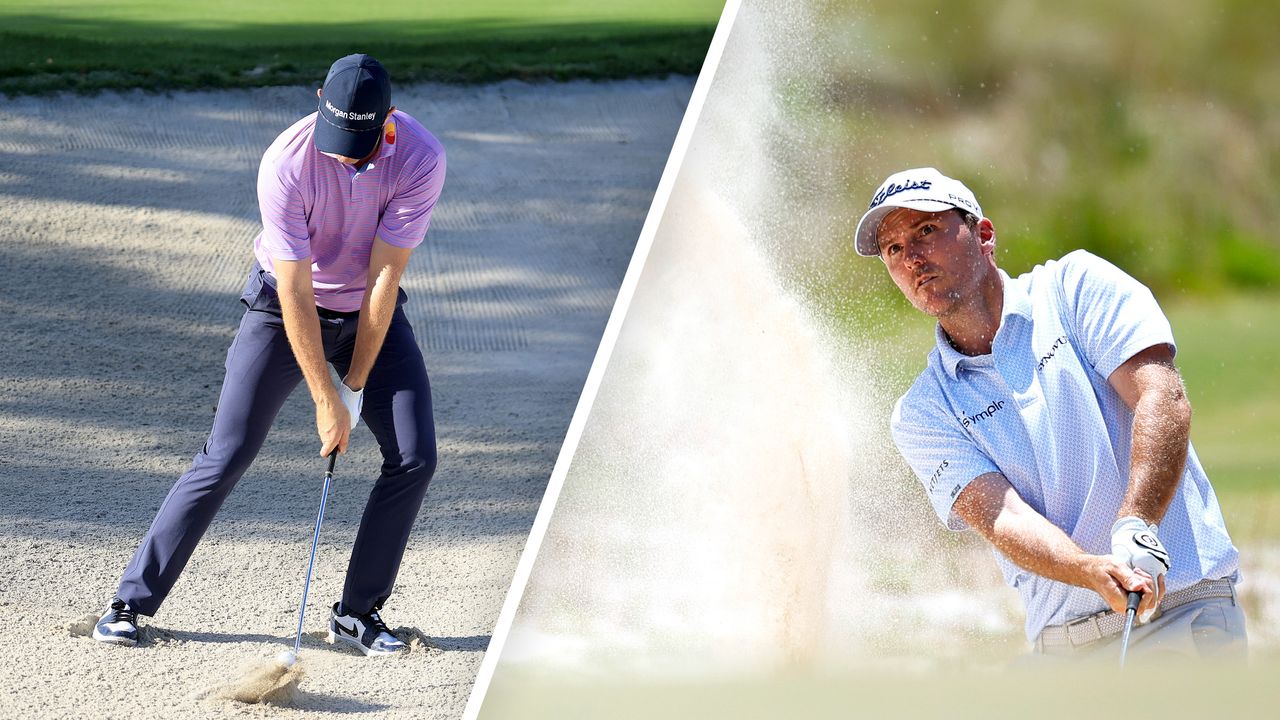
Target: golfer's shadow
(433,643)
(469,643)
(320,702)
(156,635)
(152,635)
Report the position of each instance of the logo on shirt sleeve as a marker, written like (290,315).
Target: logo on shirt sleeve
(1053,350)
(937,475)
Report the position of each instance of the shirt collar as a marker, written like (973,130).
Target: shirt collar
(385,151)
(1016,302)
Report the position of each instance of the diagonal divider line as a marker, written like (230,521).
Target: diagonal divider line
(529,556)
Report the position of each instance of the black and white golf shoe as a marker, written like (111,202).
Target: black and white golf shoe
(118,624)
(367,633)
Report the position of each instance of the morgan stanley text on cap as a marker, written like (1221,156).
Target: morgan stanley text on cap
(923,189)
(353,107)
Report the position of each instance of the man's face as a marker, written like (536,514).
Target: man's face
(935,258)
(347,160)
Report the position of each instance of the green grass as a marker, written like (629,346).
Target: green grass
(1228,350)
(90,45)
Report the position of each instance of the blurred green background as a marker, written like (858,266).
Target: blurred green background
(1131,129)
(1147,135)
(87,45)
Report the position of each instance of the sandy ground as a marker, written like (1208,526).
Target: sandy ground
(124,239)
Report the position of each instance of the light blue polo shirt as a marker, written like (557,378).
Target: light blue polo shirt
(1039,410)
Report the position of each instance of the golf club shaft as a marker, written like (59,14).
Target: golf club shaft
(1131,610)
(315,540)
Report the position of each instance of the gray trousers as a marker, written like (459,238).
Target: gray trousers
(261,372)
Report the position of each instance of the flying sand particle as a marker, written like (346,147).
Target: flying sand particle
(82,627)
(417,640)
(268,681)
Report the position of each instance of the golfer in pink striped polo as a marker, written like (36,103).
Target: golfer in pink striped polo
(346,194)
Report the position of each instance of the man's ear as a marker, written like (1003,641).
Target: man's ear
(986,231)
(319,92)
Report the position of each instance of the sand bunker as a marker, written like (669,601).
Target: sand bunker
(127,231)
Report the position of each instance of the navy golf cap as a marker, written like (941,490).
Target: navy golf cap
(353,106)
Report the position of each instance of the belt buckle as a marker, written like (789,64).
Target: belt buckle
(1090,620)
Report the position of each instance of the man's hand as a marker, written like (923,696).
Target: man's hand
(1134,543)
(333,424)
(1114,580)
(353,400)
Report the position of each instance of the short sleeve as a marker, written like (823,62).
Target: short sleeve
(1114,316)
(941,454)
(408,215)
(284,219)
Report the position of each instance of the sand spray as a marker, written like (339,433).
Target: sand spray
(736,503)
(269,681)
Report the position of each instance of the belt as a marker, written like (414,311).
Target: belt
(328,314)
(1092,628)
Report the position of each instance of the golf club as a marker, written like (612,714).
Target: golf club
(1131,609)
(288,658)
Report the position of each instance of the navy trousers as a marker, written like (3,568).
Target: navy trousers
(261,372)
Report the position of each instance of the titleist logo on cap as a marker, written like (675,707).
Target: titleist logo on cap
(892,189)
(346,115)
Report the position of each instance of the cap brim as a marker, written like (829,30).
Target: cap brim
(864,238)
(356,144)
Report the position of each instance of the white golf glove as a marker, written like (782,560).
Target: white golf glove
(354,400)
(1134,543)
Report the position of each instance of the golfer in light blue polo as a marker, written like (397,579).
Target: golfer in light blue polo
(1051,419)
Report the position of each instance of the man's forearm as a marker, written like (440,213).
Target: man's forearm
(1161,431)
(376,309)
(993,507)
(1021,534)
(1035,544)
(302,327)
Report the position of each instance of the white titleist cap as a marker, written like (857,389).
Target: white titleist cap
(923,189)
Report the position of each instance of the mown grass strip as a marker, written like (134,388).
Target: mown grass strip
(87,46)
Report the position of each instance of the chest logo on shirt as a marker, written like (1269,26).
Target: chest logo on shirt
(1053,350)
(968,420)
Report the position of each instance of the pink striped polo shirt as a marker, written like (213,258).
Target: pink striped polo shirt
(314,206)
